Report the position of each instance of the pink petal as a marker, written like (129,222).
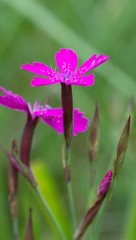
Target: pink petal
(92,63)
(54,112)
(66,60)
(13,101)
(82,81)
(38,68)
(52,117)
(80,122)
(37,81)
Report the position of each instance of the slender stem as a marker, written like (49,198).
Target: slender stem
(50,213)
(71,203)
(67,106)
(15,229)
(69,189)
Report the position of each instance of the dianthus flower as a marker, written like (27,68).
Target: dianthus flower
(69,74)
(51,116)
(66,61)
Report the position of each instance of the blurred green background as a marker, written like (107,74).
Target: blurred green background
(33,31)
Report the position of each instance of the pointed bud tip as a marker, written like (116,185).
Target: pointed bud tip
(94,135)
(129,121)
(127,126)
(29,228)
(96,115)
(14,147)
(96,109)
(122,145)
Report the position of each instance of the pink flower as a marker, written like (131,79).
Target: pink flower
(54,118)
(66,60)
(51,116)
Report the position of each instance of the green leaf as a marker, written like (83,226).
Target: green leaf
(50,191)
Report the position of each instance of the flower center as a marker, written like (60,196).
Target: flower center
(66,76)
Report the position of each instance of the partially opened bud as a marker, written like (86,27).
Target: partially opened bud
(122,148)
(91,213)
(29,228)
(105,184)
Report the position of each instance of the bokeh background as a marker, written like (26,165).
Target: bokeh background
(33,31)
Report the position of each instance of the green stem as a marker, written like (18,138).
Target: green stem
(15,229)
(69,189)
(50,213)
(71,204)
(92,189)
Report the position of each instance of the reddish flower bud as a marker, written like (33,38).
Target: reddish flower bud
(91,213)
(105,184)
